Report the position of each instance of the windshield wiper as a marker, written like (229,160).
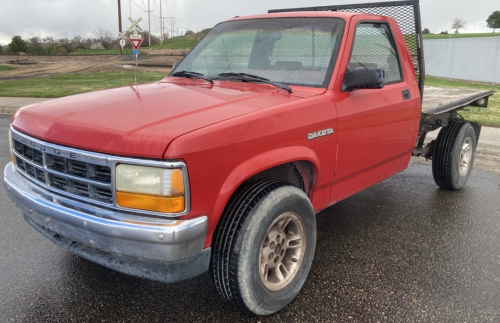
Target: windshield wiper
(254,78)
(193,75)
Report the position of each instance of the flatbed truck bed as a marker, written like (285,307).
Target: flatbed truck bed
(441,106)
(440,100)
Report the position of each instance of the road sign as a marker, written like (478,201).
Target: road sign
(135,28)
(136,51)
(135,24)
(122,43)
(136,43)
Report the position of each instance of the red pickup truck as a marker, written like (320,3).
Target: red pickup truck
(222,165)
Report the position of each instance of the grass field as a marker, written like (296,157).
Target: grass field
(181,42)
(439,36)
(6,67)
(68,84)
(487,116)
(104,52)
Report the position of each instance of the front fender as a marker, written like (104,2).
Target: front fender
(259,163)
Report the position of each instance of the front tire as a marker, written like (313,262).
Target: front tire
(453,155)
(264,246)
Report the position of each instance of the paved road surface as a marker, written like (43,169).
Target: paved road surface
(401,251)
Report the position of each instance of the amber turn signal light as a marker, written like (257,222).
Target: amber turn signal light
(151,202)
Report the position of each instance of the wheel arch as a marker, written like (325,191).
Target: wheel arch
(274,164)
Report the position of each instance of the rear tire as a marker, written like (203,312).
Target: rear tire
(264,246)
(453,155)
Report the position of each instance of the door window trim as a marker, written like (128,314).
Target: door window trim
(391,40)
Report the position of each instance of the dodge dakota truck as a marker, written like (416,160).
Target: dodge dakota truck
(222,165)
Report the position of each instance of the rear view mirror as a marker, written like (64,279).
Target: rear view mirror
(363,78)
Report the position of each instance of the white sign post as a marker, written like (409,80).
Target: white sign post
(135,39)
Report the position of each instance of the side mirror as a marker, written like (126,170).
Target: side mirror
(175,64)
(363,78)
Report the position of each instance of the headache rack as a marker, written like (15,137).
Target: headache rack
(406,14)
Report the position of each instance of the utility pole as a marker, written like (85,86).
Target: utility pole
(161,27)
(171,32)
(149,21)
(173,26)
(120,22)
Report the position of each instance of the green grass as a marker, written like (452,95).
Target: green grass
(181,42)
(68,84)
(7,67)
(489,116)
(105,52)
(439,36)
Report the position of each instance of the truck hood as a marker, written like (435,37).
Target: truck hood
(141,120)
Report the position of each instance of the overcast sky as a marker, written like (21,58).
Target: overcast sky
(69,18)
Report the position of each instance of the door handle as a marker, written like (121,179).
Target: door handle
(406,95)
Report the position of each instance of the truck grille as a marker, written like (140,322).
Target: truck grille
(71,176)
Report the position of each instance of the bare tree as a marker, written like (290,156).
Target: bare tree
(49,39)
(77,39)
(103,36)
(457,24)
(35,40)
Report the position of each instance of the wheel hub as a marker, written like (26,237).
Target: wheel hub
(282,251)
(465,156)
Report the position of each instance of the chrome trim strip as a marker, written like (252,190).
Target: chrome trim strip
(54,172)
(78,179)
(66,194)
(100,160)
(28,161)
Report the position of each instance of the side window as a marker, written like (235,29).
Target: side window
(374,47)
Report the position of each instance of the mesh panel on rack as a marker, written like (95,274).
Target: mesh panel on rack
(293,50)
(406,14)
(405,17)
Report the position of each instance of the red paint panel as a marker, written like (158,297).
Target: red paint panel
(140,121)
(376,127)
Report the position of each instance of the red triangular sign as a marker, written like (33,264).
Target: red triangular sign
(136,43)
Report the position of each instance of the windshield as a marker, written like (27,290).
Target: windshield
(294,51)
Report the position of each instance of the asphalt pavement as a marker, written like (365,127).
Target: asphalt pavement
(401,251)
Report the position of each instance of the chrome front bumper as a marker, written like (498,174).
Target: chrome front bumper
(158,249)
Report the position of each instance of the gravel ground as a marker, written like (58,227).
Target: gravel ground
(44,66)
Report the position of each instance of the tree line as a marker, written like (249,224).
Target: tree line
(102,39)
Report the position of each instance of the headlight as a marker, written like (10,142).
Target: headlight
(10,147)
(150,188)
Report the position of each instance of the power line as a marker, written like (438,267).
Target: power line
(168,9)
(137,5)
